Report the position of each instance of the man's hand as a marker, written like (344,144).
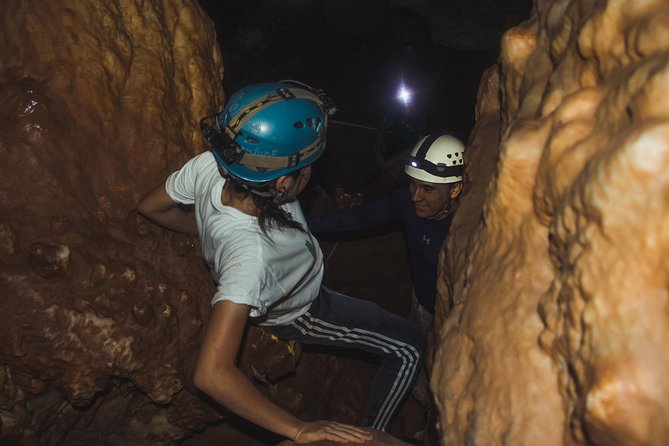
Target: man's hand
(344,200)
(331,431)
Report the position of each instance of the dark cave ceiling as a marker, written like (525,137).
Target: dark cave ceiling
(359,51)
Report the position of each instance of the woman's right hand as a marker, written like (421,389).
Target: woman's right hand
(332,431)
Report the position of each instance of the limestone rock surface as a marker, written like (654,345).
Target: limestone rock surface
(102,312)
(552,310)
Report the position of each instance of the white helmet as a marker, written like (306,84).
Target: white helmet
(437,158)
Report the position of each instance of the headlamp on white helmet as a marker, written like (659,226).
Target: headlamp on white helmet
(437,158)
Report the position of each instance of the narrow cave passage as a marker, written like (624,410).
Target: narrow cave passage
(548,294)
(105,309)
(360,58)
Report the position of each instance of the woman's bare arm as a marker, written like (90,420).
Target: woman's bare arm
(161,209)
(217,375)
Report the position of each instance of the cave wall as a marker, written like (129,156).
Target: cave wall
(552,309)
(552,314)
(102,312)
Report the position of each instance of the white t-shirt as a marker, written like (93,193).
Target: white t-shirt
(278,274)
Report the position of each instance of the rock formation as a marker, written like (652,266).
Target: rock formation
(102,312)
(552,312)
(553,288)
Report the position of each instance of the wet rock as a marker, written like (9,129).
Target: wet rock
(59,225)
(143,313)
(100,102)
(552,294)
(7,239)
(49,261)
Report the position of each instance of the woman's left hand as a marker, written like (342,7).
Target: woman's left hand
(312,431)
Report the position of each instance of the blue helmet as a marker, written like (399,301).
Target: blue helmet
(268,130)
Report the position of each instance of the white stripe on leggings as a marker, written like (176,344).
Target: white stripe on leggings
(373,339)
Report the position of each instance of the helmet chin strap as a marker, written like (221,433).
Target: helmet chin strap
(447,208)
(444,211)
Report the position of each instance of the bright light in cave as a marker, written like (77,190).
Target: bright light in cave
(404,94)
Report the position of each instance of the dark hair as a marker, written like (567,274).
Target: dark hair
(271,215)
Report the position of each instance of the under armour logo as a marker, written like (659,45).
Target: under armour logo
(426,240)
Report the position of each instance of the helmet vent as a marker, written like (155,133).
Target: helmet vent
(251,140)
(314,123)
(310,122)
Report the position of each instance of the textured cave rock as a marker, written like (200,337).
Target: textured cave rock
(552,309)
(102,312)
(553,289)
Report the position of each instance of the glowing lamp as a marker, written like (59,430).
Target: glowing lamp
(404,94)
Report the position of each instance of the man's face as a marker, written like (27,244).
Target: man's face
(428,198)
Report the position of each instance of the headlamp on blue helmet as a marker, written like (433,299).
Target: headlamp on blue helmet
(268,130)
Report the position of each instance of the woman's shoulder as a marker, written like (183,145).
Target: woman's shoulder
(204,161)
(198,166)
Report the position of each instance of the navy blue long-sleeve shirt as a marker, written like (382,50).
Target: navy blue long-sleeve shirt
(424,237)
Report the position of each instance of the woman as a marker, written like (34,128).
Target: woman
(267,265)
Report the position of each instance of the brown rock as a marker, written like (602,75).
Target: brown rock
(552,311)
(99,101)
(49,261)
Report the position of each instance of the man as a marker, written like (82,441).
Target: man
(435,168)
